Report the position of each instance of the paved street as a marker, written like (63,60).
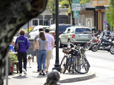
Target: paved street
(101,64)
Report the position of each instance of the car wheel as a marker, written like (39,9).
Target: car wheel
(60,45)
(94,48)
(112,49)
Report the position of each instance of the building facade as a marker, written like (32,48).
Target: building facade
(100,8)
(87,17)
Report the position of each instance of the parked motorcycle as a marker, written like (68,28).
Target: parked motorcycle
(93,40)
(104,44)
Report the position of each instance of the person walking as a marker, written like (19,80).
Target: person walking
(34,43)
(42,44)
(51,43)
(22,51)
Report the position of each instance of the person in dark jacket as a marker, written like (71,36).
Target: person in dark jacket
(22,51)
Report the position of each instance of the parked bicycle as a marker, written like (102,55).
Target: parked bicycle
(75,60)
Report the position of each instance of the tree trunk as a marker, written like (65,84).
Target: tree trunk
(13,15)
(73,22)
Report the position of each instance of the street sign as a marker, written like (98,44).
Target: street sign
(76,1)
(76,7)
(75,14)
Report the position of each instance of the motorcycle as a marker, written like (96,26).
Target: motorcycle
(93,40)
(104,44)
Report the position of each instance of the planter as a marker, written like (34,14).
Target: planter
(12,69)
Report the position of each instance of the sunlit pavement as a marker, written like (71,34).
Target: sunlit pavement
(33,77)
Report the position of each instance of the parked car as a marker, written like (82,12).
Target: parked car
(35,31)
(75,35)
(62,28)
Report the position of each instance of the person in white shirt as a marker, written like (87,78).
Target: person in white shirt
(107,33)
(51,43)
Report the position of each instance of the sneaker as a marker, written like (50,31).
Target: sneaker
(20,74)
(25,72)
(43,74)
(40,73)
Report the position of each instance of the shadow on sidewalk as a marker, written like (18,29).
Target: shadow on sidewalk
(20,77)
(40,76)
(76,79)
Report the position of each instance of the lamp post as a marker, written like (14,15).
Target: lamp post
(57,65)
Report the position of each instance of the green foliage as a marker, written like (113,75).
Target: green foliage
(51,6)
(13,57)
(84,1)
(110,14)
(66,3)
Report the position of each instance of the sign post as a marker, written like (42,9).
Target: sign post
(76,8)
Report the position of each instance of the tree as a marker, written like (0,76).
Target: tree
(51,8)
(110,14)
(13,15)
(84,1)
(67,3)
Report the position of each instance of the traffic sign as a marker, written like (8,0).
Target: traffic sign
(75,14)
(76,1)
(75,7)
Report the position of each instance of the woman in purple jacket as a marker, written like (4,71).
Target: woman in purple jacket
(22,51)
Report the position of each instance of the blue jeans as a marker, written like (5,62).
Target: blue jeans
(42,59)
(37,59)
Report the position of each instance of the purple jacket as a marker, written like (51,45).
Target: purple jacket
(23,43)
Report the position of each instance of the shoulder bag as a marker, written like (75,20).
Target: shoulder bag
(17,45)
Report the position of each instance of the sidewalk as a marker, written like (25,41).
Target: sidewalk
(33,77)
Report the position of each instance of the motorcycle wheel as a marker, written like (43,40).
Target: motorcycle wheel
(94,48)
(112,49)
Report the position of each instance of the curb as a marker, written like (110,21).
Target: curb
(76,79)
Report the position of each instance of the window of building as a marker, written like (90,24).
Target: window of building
(35,22)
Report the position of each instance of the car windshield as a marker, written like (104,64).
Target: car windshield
(80,30)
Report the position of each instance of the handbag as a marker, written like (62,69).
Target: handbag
(16,46)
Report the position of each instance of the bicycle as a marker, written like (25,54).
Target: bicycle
(76,60)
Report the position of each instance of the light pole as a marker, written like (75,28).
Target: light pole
(57,65)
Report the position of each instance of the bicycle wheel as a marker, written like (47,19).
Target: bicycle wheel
(63,63)
(71,66)
(81,65)
(68,63)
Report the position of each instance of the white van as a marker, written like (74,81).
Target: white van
(35,31)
